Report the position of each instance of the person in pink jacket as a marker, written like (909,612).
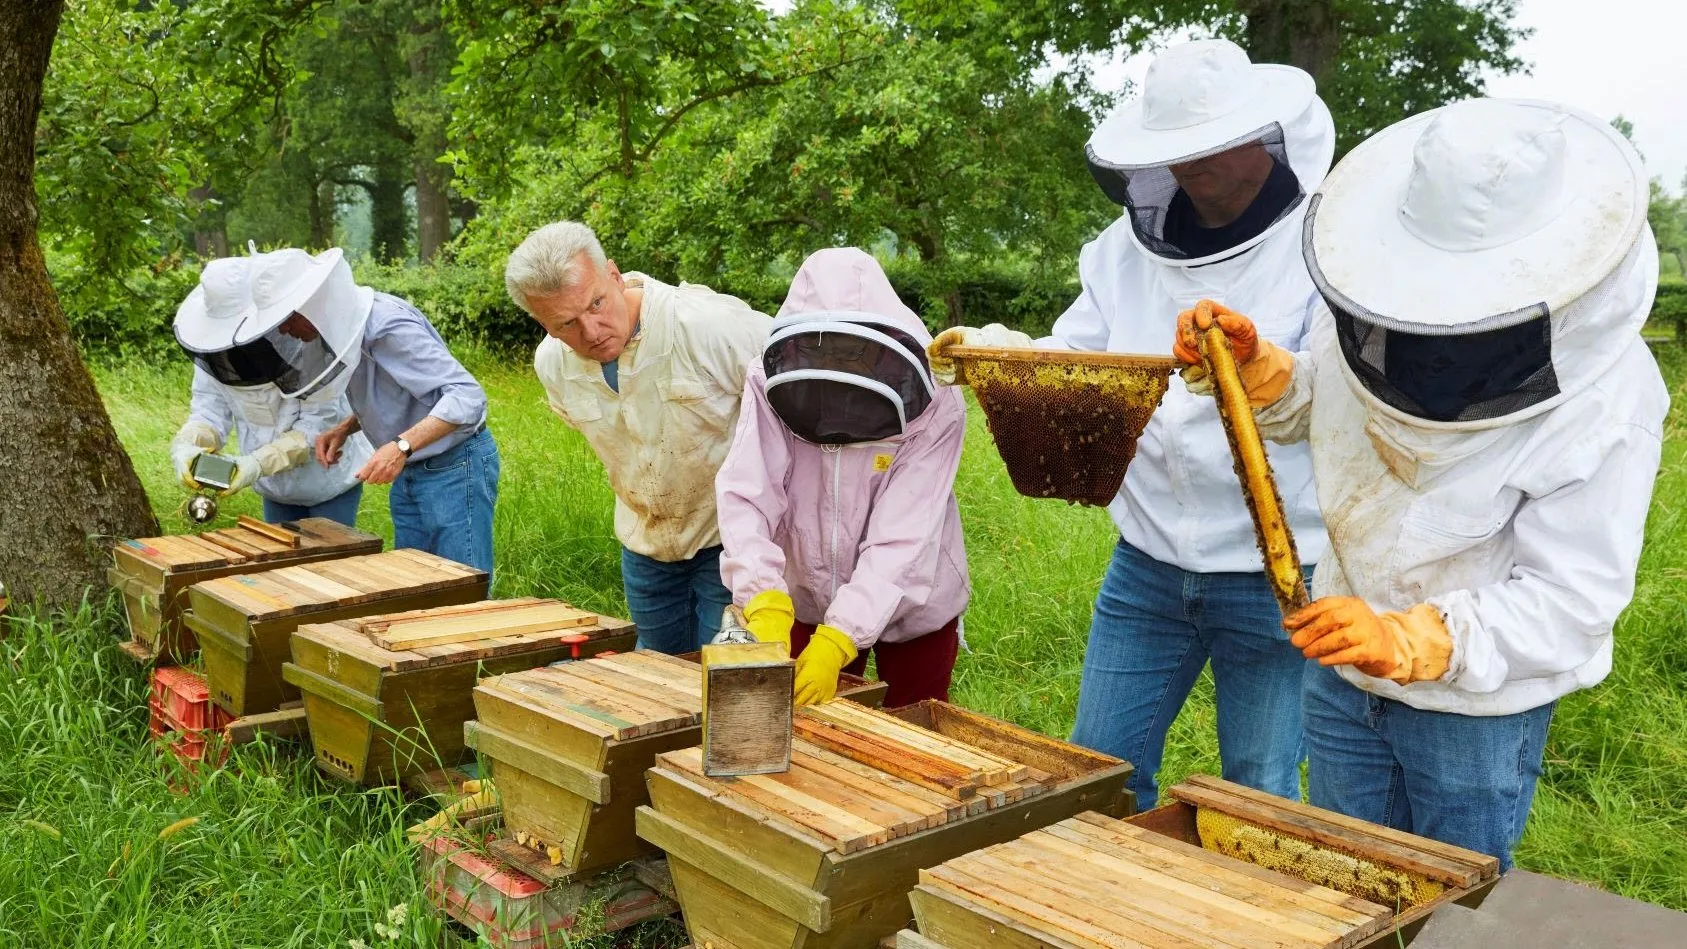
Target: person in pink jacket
(837,508)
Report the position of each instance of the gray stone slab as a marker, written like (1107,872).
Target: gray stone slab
(1527,909)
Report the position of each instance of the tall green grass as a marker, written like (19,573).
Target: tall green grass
(283,857)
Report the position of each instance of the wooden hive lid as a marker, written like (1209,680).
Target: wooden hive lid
(248,541)
(860,778)
(326,584)
(616,697)
(1091,881)
(468,632)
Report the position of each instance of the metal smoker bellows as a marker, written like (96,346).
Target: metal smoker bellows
(1065,422)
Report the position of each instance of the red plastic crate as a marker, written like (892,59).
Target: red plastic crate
(191,749)
(512,910)
(184,700)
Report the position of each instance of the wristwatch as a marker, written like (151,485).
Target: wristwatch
(403,445)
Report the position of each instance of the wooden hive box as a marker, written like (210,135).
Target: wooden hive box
(244,623)
(824,855)
(153,574)
(378,715)
(568,747)
(1222,866)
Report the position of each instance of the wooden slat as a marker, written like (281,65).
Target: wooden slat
(1360,842)
(615,676)
(444,630)
(543,698)
(1328,913)
(379,623)
(1005,901)
(940,807)
(991,768)
(1119,831)
(650,714)
(925,770)
(684,675)
(845,832)
(227,538)
(1484,864)
(280,535)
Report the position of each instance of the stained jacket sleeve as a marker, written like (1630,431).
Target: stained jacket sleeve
(730,340)
(901,553)
(547,365)
(209,406)
(750,498)
(1577,551)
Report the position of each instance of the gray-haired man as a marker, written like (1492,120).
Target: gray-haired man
(651,374)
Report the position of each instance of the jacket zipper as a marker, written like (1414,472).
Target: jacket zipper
(836,451)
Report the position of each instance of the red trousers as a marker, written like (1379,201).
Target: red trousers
(916,669)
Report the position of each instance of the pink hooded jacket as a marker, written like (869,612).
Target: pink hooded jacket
(865,538)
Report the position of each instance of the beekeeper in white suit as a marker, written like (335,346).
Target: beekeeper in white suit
(275,433)
(1486,425)
(1212,165)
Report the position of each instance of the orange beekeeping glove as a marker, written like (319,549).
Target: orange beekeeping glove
(827,652)
(1413,646)
(769,615)
(1264,366)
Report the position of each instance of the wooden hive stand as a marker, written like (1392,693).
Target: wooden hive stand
(569,746)
(386,696)
(823,856)
(245,623)
(154,573)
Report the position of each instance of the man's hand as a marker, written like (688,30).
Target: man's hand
(383,467)
(1413,646)
(329,445)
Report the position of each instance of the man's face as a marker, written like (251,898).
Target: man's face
(1226,177)
(591,317)
(300,327)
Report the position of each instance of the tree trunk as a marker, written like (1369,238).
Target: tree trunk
(210,233)
(1303,33)
(433,205)
(389,224)
(936,266)
(67,488)
(321,212)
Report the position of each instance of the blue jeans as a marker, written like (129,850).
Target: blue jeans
(676,606)
(1466,780)
(443,505)
(1155,627)
(342,507)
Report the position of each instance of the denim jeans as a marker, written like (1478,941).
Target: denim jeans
(1155,627)
(1466,780)
(676,606)
(342,507)
(443,505)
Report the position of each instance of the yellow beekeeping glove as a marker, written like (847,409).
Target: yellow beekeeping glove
(1413,646)
(769,615)
(827,652)
(1264,366)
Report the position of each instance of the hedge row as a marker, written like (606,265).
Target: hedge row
(469,304)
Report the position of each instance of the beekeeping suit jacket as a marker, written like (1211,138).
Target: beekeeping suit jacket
(258,415)
(1524,530)
(1180,502)
(865,537)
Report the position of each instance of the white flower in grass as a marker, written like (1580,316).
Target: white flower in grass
(356,944)
(396,915)
(386,932)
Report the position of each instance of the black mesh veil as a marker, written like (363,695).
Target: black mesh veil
(278,356)
(841,382)
(1500,366)
(1147,192)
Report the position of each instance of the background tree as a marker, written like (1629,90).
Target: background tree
(66,484)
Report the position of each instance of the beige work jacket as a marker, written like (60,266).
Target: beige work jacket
(663,436)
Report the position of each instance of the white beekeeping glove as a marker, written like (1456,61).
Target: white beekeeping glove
(290,450)
(194,439)
(995,334)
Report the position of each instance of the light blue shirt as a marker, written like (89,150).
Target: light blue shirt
(407,374)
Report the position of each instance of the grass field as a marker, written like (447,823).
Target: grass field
(93,851)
